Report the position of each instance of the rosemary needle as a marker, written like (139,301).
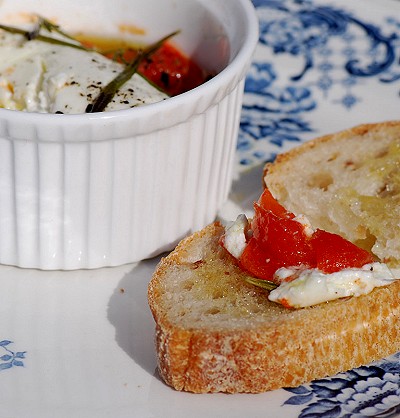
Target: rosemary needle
(264,284)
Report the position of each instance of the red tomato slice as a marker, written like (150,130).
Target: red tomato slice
(334,253)
(258,262)
(171,70)
(280,241)
(168,68)
(276,242)
(268,202)
(284,239)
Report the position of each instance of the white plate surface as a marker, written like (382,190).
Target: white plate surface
(80,344)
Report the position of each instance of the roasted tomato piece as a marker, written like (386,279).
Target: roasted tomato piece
(276,242)
(171,70)
(280,241)
(168,68)
(268,202)
(282,238)
(258,262)
(334,253)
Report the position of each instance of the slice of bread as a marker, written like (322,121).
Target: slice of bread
(217,333)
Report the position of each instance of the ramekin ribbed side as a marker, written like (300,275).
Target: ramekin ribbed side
(70,205)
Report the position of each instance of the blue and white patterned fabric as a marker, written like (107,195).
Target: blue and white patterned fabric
(322,58)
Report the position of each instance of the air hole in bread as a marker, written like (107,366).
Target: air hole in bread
(213,311)
(382,153)
(187,285)
(383,191)
(368,242)
(351,165)
(217,294)
(332,157)
(321,181)
(256,310)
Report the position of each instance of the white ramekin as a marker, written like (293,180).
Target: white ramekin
(94,190)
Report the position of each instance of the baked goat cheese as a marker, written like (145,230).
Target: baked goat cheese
(235,235)
(37,76)
(311,286)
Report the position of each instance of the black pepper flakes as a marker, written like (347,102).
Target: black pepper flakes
(165,78)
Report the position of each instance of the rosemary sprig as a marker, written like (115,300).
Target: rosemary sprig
(108,92)
(34,34)
(264,284)
(50,26)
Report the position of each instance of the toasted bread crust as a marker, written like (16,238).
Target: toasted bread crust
(372,130)
(272,348)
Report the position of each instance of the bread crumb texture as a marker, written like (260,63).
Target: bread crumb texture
(216,333)
(347,183)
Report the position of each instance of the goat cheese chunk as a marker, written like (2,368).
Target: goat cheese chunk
(306,287)
(234,239)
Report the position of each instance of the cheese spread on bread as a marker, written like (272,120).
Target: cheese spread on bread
(301,286)
(312,286)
